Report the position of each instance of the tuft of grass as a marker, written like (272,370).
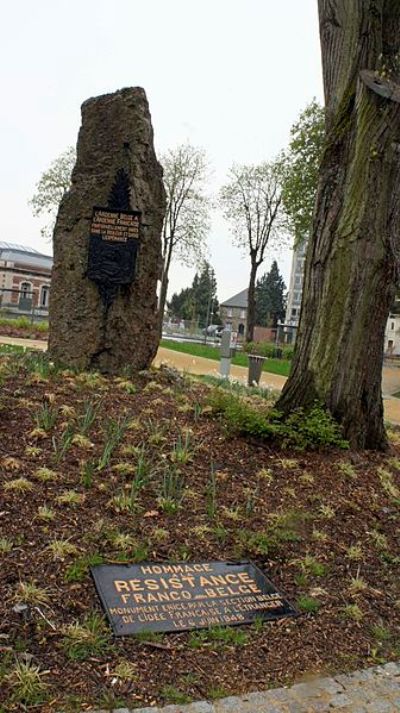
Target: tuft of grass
(379,539)
(19,485)
(89,638)
(87,473)
(45,513)
(30,593)
(173,695)
(60,549)
(357,585)
(82,441)
(327,512)
(353,611)
(171,491)
(355,552)
(121,540)
(33,451)
(78,570)
(70,498)
(310,566)
(10,464)
(125,671)
(309,605)
(27,684)
(219,636)
(182,451)
(265,474)
(386,480)
(45,474)
(115,431)
(5,546)
(46,417)
(347,469)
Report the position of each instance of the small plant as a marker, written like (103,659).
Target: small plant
(311,566)
(347,469)
(60,549)
(90,638)
(19,485)
(121,540)
(319,535)
(124,468)
(354,552)
(126,671)
(27,684)
(307,478)
(5,546)
(182,452)
(70,498)
(386,480)
(379,539)
(45,513)
(77,571)
(353,611)
(174,695)
(45,474)
(327,512)
(64,443)
(30,593)
(357,585)
(32,451)
(87,472)
(82,442)
(381,633)
(67,411)
(307,604)
(220,635)
(46,417)
(115,431)
(88,417)
(171,494)
(10,464)
(265,474)
(123,502)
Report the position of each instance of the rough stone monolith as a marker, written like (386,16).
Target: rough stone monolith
(107,241)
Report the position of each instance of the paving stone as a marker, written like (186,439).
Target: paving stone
(380,707)
(121,710)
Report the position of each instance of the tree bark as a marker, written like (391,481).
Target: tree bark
(353,255)
(251,302)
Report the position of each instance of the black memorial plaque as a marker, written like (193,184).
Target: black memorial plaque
(113,246)
(177,597)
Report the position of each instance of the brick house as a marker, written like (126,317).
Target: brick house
(25,276)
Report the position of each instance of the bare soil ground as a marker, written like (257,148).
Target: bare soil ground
(97,469)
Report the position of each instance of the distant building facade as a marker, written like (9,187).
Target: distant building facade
(233,312)
(25,276)
(295,293)
(295,286)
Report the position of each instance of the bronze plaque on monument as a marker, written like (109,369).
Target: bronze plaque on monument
(113,246)
(176,597)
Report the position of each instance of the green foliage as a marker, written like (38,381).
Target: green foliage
(87,639)
(269,349)
(46,417)
(302,169)
(307,604)
(270,292)
(115,431)
(174,695)
(171,492)
(199,302)
(219,636)
(78,570)
(51,187)
(313,429)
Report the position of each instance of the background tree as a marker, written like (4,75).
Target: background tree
(51,188)
(353,256)
(199,302)
(251,203)
(187,215)
(270,297)
(301,170)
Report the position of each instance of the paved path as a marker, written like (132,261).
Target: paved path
(374,690)
(200,365)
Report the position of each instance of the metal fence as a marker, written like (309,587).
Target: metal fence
(22,306)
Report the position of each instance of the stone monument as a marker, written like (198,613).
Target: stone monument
(107,241)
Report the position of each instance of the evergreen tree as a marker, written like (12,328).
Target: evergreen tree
(270,304)
(198,302)
(205,296)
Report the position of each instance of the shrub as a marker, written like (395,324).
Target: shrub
(313,429)
(269,349)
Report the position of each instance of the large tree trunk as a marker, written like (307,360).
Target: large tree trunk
(251,303)
(352,259)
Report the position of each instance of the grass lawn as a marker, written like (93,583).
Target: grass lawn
(274,366)
(149,468)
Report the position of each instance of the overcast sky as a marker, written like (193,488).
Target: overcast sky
(230,76)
